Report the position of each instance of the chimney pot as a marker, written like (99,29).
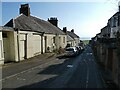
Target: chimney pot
(53,21)
(25,9)
(65,29)
(72,30)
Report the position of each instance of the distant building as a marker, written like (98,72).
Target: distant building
(72,38)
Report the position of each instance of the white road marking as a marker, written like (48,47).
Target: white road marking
(69,66)
(87,78)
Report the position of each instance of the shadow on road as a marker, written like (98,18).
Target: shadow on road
(57,70)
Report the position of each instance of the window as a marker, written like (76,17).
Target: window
(53,39)
(4,35)
(63,39)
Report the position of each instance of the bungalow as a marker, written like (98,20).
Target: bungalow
(72,38)
(75,37)
(30,36)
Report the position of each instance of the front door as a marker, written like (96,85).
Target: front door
(6,47)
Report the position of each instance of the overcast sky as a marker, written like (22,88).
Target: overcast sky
(86,18)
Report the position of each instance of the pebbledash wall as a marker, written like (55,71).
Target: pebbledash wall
(1,49)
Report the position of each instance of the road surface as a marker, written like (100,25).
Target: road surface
(74,72)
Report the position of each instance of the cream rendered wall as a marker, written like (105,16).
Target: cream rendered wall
(16,46)
(58,41)
(22,39)
(30,45)
(77,41)
(61,42)
(50,44)
(33,41)
(12,46)
(29,48)
(9,47)
(72,43)
(36,45)
(1,50)
(33,44)
(44,44)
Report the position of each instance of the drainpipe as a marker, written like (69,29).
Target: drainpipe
(42,34)
(18,45)
(2,47)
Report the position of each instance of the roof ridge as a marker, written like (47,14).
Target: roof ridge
(18,16)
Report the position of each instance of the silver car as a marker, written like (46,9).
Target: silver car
(71,51)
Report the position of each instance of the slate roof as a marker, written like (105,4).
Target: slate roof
(2,28)
(73,35)
(31,23)
(69,38)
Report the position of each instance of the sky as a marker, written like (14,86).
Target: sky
(86,18)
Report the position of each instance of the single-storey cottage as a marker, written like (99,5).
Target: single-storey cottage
(75,37)
(27,36)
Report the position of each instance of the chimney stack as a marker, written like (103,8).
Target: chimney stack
(25,9)
(119,6)
(53,21)
(72,30)
(65,29)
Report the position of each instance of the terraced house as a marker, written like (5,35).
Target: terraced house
(72,38)
(106,47)
(26,36)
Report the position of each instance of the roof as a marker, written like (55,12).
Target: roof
(31,23)
(73,35)
(116,14)
(69,38)
(6,28)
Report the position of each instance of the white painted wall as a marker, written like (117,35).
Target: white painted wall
(1,50)
(62,42)
(9,47)
(14,44)
(33,42)
(36,45)
(50,44)
(58,41)
(77,41)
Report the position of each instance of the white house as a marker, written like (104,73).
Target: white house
(114,24)
(75,37)
(26,36)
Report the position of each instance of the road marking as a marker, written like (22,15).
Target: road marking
(87,76)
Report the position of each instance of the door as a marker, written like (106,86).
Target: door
(6,49)
(22,46)
(45,43)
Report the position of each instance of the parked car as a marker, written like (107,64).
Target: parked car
(71,51)
(78,49)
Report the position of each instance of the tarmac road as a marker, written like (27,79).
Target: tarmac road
(75,72)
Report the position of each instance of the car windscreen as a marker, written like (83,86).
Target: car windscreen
(69,49)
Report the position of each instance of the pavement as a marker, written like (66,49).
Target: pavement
(12,68)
